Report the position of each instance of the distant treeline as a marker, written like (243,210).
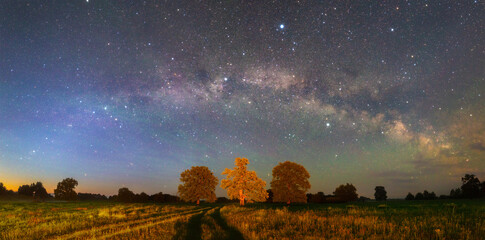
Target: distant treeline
(471,188)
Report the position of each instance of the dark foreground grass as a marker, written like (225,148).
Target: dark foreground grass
(439,219)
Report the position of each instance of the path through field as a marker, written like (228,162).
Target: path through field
(209,224)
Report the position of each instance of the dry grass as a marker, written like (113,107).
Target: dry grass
(105,220)
(390,221)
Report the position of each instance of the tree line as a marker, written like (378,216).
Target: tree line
(290,184)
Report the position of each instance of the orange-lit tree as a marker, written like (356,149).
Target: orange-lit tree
(198,183)
(290,182)
(243,184)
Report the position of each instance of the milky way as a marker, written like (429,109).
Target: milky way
(121,93)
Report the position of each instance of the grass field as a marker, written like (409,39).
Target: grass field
(440,219)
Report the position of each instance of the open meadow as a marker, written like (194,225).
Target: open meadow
(439,219)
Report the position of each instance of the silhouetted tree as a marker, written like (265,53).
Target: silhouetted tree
(3,189)
(316,198)
(319,197)
(39,192)
(290,182)
(157,197)
(455,193)
(91,197)
(346,192)
(35,190)
(142,197)
(380,194)
(125,195)
(426,195)
(444,197)
(470,187)
(243,184)
(198,182)
(113,198)
(410,196)
(25,190)
(419,196)
(65,189)
(363,199)
(270,196)
(170,198)
(482,189)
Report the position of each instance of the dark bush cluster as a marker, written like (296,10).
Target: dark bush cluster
(127,196)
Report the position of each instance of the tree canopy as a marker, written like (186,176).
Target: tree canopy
(346,192)
(198,183)
(290,182)
(37,188)
(380,194)
(243,184)
(3,189)
(65,189)
(471,186)
(410,196)
(125,195)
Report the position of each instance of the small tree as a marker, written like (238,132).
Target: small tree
(410,196)
(455,193)
(65,189)
(25,190)
(381,194)
(290,182)
(419,196)
(243,184)
(346,192)
(126,195)
(198,182)
(3,189)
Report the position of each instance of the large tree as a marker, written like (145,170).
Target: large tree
(290,182)
(198,182)
(65,189)
(346,192)
(471,186)
(380,194)
(243,184)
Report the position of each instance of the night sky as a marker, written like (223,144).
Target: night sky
(131,93)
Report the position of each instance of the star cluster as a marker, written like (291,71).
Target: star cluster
(118,93)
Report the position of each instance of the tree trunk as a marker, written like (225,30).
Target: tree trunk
(198,201)
(289,201)
(241,198)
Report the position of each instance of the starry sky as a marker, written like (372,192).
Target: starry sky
(131,93)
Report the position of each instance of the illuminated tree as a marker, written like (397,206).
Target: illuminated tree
(198,182)
(380,194)
(346,192)
(65,189)
(290,182)
(243,184)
